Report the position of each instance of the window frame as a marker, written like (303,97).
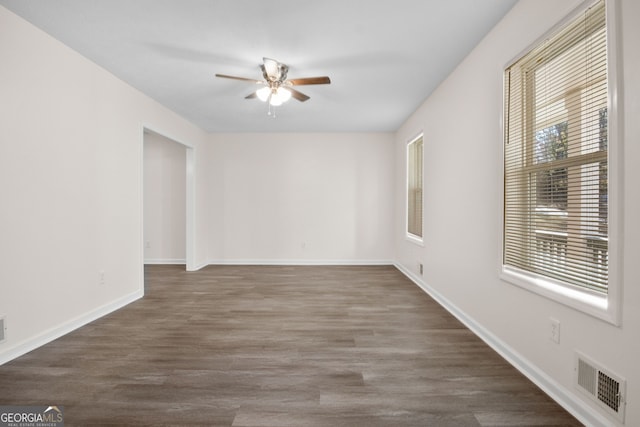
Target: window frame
(419,240)
(607,306)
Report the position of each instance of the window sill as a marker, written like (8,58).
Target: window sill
(415,239)
(591,303)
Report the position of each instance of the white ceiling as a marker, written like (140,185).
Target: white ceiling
(384,57)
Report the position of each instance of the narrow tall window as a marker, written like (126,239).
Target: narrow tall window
(414,189)
(556,158)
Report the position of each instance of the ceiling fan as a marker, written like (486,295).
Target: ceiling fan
(277,89)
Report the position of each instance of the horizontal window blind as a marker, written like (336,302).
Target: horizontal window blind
(556,156)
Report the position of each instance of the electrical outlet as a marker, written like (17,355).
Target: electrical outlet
(101,278)
(555,330)
(147,244)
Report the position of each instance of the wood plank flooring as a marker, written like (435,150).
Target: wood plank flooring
(278,346)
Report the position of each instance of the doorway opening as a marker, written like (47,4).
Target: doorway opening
(168,200)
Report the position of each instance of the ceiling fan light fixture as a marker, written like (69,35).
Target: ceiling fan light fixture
(275,96)
(276,87)
(263,93)
(275,101)
(283,94)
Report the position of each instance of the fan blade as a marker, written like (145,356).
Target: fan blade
(224,76)
(298,95)
(251,95)
(271,68)
(324,80)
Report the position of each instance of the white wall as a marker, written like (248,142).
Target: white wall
(165,198)
(71,184)
(463,189)
(301,198)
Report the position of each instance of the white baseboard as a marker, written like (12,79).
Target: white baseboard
(169,261)
(175,262)
(69,326)
(569,401)
(299,262)
(197,267)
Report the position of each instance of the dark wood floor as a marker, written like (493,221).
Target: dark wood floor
(278,346)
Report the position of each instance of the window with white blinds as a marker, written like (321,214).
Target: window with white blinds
(556,162)
(414,188)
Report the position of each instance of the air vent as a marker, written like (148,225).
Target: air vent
(601,385)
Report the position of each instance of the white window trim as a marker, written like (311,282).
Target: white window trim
(605,307)
(410,236)
(414,239)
